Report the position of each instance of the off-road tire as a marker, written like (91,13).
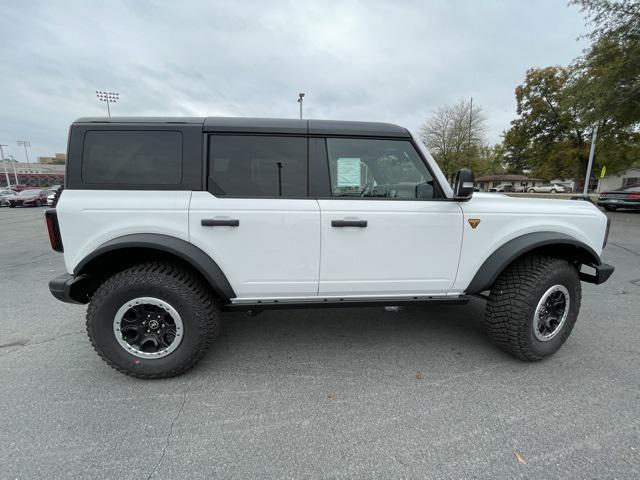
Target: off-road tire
(509,315)
(169,282)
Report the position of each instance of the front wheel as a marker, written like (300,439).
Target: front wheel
(553,190)
(153,320)
(531,190)
(533,306)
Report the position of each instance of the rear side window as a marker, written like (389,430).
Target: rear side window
(258,166)
(132,157)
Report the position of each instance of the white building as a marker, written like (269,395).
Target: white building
(624,179)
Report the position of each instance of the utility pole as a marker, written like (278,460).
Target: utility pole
(592,152)
(4,164)
(469,139)
(300,97)
(108,97)
(25,144)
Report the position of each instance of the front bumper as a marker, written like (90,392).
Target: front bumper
(70,288)
(601,275)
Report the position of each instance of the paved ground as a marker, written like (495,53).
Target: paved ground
(325,393)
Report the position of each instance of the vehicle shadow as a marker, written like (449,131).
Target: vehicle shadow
(299,336)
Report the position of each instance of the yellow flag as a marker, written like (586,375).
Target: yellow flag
(603,172)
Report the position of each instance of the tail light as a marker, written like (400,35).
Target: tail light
(634,196)
(51,217)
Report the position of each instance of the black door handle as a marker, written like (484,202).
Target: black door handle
(349,223)
(221,222)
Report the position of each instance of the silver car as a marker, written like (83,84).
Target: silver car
(548,188)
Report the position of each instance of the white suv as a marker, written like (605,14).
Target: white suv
(166,222)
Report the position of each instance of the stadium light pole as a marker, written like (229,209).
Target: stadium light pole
(4,164)
(107,97)
(300,97)
(15,172)
(25,144)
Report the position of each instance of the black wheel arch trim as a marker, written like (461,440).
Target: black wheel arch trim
(182,249)
(515,248)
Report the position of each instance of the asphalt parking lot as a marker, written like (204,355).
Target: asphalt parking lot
(356,393)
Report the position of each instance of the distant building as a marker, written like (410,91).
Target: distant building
(57,159)
(626,178)
(489,181)
(34,174)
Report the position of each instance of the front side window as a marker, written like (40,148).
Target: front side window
(258,166)
(132,157)
(377,169)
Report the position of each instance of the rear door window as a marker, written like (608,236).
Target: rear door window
(132,157)
(258,166)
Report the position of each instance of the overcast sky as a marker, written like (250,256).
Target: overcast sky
(392,61)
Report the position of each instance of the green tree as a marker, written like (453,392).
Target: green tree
(548,136)
(607,76)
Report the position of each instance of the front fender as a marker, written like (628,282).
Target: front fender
(515,248)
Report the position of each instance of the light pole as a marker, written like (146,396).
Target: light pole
(25,144)
(592,152)
(300,97)
(108,97)
(4,164)
(15,172)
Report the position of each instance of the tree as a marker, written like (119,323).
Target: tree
(607,76)
(454,134)
(558,107)
(548,136)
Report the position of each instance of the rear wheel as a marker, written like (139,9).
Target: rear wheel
(553,190)
(38,203)
(531,190)
(153,320)
(533,306)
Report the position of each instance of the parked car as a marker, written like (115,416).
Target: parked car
(4,197)
(503,187)
(28,198)
(158,270)
(51,194)
(623,198)
(548,188)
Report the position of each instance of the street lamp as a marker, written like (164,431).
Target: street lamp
(108,97)
(25,144)
(300,97)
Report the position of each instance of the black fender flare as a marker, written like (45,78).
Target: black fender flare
(510,251)
(182,249)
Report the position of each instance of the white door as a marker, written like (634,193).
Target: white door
(256,222)
(383,232)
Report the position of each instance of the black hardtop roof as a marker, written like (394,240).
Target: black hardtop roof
(266,125)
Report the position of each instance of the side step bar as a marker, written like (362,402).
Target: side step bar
(342,302)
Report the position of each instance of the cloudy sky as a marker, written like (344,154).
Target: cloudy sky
(389,60)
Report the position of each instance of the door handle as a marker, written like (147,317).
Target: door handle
(349,223)
(219,222)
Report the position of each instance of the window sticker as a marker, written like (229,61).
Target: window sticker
(349,172)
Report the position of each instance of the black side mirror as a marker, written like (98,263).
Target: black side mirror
(463,185)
